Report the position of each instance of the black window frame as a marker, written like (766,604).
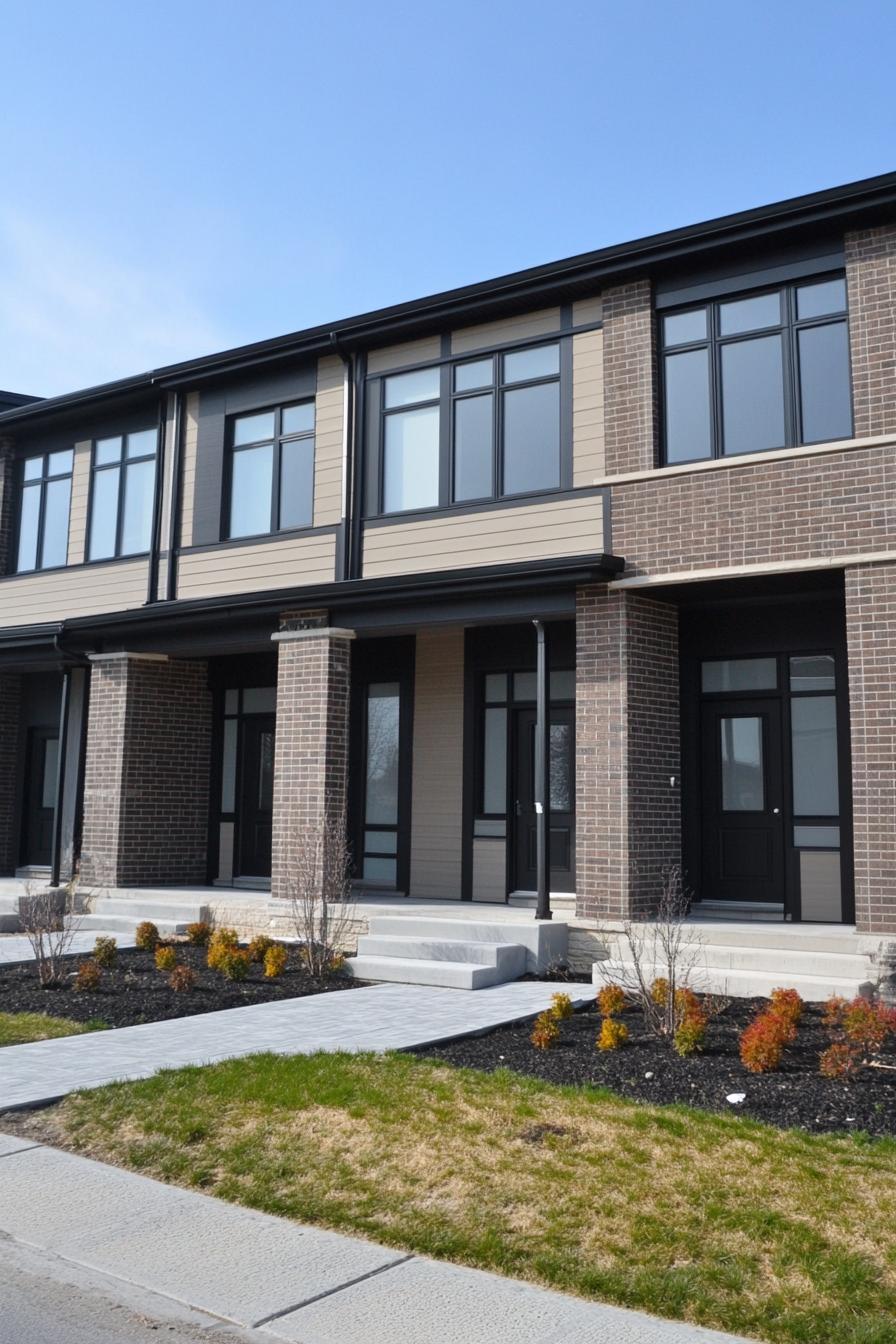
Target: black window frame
(446,401)
(45,479)
(276,441)
(714,342)
(121,464)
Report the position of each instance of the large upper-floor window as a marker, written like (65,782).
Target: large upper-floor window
(765,370)
(44,504)
(271,470)
(121,494)
(483,428)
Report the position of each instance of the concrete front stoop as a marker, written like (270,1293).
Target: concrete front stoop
(746,960)
(456,953)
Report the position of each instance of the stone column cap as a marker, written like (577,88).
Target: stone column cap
(315,632)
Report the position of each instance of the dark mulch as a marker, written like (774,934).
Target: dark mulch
(134,991)
(796,1097)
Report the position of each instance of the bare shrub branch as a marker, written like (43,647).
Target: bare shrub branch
(50,919)
(318,888)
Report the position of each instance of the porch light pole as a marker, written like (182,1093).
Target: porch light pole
(542,787)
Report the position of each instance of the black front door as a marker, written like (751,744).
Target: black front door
(256,796)
(40,796)
(562,812)
(743,804)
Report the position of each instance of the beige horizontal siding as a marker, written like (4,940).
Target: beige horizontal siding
(586,311)
(571,526)
(61,594)
(588,407)
(546,322)
(77,527)
(402,356)
(437,780)
(328,441)
(489,870)
(188,467)
(278,563)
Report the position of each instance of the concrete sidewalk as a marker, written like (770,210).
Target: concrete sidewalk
(289,1282)
(379,1017)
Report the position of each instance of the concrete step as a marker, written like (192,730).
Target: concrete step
(743,983)
(545,941)
(799,937)
(175,910)
(418,971)
(123,924)
(509,958)
(780,961)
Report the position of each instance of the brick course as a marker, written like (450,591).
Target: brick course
(146,786)
(628,825)
(630,405)
(871,287)
(311,749)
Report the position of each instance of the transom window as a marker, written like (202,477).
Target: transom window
(271,470)
(44,504)
(761,371)
(122,493)
(484,428)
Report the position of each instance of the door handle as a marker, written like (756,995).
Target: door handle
(519,808)
(776,811)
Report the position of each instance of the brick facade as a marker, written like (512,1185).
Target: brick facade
(311,749)
(630,405)
(146,786)
(871,286)
(871,644)
(7,504)
(10,707)
(628,823)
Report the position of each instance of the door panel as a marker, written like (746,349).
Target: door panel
(256,796)
(743,804)
(561,817)
(40,796)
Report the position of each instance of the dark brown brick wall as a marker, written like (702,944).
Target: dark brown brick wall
(628,825)
(10,707)
(146,787)
(630,409)
(7,505)
(311,751)
(792,509)
(871,645)
(871,285)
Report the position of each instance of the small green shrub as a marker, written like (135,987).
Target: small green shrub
(233,963)
(166,958)
(546,1032)
(182,979)
(258,947)
(222,941)
(146,936)
(561,1006)
(105,953)
(199,933)
(88,978)
(613,1034)
(275,961)
(659,991)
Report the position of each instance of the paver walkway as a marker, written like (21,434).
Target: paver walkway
(380,1017)
(291,1282)
(15,946)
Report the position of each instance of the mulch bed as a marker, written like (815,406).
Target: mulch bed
(134,991)
(796,1097)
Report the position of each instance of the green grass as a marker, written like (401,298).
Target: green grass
(707,1218)
(17,1028)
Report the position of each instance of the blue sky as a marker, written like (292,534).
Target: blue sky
(180,177)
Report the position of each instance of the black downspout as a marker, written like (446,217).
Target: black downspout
(344,559)
(56,854)
(152,585)
(174,517)
(355,556)
(542,785)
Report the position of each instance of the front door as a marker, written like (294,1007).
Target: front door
(40,797)
(256,796)
(561,817)
(743,804)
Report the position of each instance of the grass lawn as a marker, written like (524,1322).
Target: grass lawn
(16,1028)
(708,1218)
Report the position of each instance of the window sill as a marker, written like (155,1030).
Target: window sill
(480,506)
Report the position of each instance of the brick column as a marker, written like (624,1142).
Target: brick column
(628,822)
(871,286)
(311,749)
(630,405)
(7,504)
(146,785)
(871,645)
(10,701)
